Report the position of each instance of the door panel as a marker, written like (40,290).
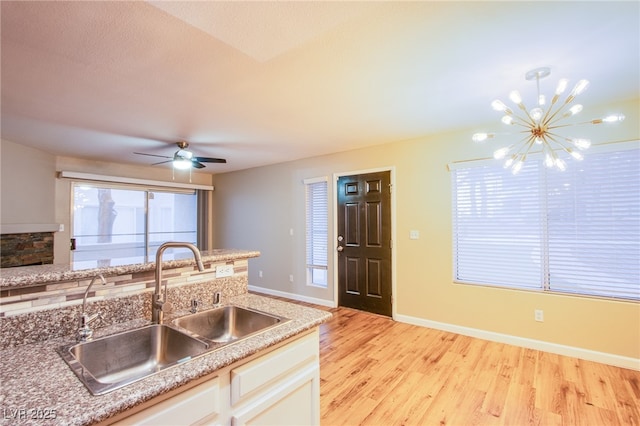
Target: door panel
(364,242)
(374,278)
(352,280)
(352,225)
(374,224)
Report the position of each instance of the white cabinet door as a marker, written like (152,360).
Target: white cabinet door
(198,405)
(279,388)
(294,402)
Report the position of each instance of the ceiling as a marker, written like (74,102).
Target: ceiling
(266,82)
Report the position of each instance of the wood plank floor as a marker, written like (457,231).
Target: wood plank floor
(374,371)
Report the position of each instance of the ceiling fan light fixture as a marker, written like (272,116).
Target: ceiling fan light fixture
(181,163)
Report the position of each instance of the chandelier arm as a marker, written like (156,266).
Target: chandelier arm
(521,121)
(546,149)
(530,119)
(562,144)
(546,115)
(560,126)
(550,119)
(525,146)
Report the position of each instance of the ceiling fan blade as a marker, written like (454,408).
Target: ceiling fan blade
(152,155)
(209,160)
(197,164)
(162,162)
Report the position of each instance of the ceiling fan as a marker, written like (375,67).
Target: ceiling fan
(184,159)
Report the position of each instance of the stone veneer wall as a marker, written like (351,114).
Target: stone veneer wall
(41,312)
(35,248)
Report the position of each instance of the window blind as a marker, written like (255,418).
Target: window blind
(316,214)
(497,221)
(576,231)
(594,226)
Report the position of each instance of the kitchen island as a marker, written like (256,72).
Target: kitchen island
(37,383)
(38,387)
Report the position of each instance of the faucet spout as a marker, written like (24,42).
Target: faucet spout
(159,299)
(84,332)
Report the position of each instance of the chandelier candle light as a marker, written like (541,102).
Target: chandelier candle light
(540,124)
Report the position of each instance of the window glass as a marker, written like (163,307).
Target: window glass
(114,223)
(316,211)
(576,231)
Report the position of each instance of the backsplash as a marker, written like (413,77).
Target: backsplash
(23,249)
(38,313)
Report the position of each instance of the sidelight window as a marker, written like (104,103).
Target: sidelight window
(576,231)
(317,223)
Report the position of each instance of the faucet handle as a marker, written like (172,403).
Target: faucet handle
(84,332)
(194,306)
(217,298)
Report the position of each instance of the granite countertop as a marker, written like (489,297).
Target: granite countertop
(35,381)
(25,276)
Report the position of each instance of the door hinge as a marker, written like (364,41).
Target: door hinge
(390,243)
(390,188)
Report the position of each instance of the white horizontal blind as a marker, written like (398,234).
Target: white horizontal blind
(576,231)
(594,226)
(497,226)
(317,231)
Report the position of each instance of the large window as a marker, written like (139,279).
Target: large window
(576,231)
(115,222)
(316,202)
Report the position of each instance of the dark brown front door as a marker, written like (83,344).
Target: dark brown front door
(364,242)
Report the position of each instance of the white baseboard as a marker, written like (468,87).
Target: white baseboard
(586,354)
(321,302)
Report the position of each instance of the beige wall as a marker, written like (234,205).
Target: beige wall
(27,179)
(254,209)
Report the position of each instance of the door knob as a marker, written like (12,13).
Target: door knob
(340,248)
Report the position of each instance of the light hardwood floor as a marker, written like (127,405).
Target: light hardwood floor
(374,371)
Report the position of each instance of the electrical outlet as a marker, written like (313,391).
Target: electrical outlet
(414,235)
(538,315)
(291,278)
(260,274)
(224,271)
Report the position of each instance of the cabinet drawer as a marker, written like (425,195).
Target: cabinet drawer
(274,366)
(190,407)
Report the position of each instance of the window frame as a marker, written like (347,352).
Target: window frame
(311,264)
(147,190)
(545,283)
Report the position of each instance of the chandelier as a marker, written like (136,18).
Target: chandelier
(540,123)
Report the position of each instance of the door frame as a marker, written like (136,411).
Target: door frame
(394,244)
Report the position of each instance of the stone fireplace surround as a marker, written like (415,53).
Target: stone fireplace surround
(26,249)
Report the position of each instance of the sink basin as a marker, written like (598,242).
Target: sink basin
(114,361)
(228,323)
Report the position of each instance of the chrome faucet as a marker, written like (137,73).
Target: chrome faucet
(159,300)
(84,332)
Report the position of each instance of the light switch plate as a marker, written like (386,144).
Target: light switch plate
(414,235)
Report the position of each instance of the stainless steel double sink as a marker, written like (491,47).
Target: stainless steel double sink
(114,361)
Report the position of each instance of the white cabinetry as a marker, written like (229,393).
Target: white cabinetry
(199,405)
(280,387)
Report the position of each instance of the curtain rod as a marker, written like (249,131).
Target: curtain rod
(103,178)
